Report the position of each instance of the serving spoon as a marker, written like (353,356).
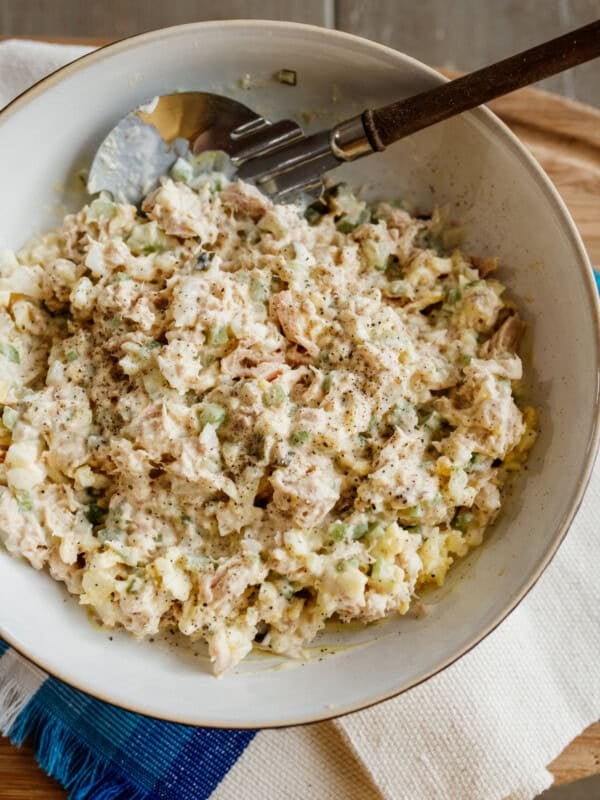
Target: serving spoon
(277,156)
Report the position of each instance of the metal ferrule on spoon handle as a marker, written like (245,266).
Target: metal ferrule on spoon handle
(349,140)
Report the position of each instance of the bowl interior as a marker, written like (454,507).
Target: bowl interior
(470,164)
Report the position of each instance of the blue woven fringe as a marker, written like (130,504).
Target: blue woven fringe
(83,773)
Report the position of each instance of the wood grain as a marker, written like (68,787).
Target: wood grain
(580,759)
(22,779)
(86,41)
(565,138)
(474,34)
(118,18)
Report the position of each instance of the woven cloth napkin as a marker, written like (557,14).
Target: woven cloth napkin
(484,729)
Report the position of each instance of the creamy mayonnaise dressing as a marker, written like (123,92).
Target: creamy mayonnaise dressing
(241,419)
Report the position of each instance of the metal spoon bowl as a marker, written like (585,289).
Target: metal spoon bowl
(145,144)
(278,157)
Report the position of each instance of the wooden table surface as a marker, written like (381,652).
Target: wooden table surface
(565,138)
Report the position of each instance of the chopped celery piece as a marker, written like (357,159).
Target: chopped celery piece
(381,569)
(345,226)
(71,355)
(462,520)
(287,76)
(110,535)
(258,291)
(10,352)
(101,208)
(274,396)
(338,531)
(9,417)
(182,171)
(94,512)
(433,422)
(300,437)
(217,336)
(383,573)
(212,414)
(146,237)
(360,531)
(453,296)
(210,161)
(24,500)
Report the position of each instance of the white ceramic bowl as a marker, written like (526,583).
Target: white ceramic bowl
(509,208)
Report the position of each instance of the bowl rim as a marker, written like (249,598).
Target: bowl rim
(519,151)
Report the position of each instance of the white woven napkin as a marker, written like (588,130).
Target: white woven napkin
(22,63)
(484,729)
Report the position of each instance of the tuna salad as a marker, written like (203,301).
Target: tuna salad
(240,419)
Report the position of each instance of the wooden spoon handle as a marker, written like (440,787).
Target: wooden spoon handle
(390,123)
